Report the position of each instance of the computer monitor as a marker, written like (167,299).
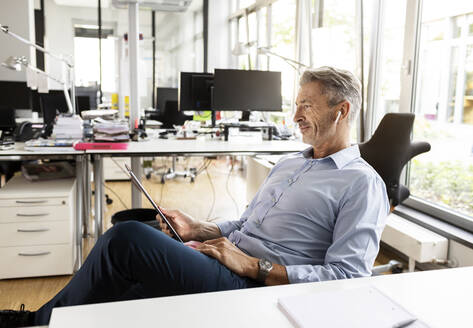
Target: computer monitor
(195,91)
(15,94)
(246,90)
(52,103)
(172,116)
(7,120)
(86,98)
(163,95)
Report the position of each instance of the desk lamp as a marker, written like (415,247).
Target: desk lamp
(293,63)
(16,63)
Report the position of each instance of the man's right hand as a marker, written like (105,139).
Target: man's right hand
(187,227)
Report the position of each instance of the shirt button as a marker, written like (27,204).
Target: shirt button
(289,180)
(274,199)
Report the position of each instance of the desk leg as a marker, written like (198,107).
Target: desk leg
(99,195)
(135,192)
(87,196)
(79,207)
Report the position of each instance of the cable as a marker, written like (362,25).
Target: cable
(116,195)
(213,194)
(119,166)
(228,190)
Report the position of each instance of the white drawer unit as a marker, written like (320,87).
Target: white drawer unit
(37,228)
(114,168)
(33,261)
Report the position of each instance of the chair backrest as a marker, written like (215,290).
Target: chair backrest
(389,149)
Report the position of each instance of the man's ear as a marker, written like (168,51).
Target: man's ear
(344,109)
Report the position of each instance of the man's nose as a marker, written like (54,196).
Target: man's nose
(297,115)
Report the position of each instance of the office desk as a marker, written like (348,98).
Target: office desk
(20,154)
(440,298)
(164,147)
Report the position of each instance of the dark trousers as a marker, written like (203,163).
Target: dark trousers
(134,261)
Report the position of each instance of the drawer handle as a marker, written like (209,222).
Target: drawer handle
(34,254)
(33,230)
(32,214)
(31,201)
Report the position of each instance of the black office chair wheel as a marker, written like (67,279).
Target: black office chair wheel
(148,176)
(108,200)
(162,179)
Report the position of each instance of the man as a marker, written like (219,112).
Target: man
(318,216)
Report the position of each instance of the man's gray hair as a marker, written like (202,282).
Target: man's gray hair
(338,85)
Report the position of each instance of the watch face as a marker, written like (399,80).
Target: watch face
(266,265)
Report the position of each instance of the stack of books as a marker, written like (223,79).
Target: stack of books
(111,130)
(68,127)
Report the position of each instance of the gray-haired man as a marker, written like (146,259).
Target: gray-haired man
(318,216)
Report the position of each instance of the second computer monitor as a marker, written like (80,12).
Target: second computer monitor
(195,91)
(247,90)
(163,95)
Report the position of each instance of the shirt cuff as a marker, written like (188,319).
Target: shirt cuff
(226,227)
(292,274)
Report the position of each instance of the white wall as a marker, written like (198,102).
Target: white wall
(19,17)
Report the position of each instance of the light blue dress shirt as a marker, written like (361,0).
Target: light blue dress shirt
(321,218)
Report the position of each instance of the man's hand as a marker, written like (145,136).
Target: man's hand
(230,256)
(240,263)
(187,227)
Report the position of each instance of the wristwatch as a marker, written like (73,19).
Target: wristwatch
(265,268)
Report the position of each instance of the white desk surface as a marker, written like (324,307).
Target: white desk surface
(189,147)
(440,298)
(19,150)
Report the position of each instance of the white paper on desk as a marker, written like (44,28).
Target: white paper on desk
(360,307)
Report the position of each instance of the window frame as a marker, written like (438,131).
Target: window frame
(409,77)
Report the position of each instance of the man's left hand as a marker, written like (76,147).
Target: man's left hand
(230,256)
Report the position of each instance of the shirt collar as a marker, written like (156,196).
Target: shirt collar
(340,158)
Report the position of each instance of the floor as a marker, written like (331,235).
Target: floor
(219,192)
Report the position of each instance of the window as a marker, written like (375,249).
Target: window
(86,56)
(444,107)
(283,43)
(252,31)
(392,42)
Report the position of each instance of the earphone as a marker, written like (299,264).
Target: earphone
(338,116)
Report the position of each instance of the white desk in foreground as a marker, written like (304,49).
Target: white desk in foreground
(440,298)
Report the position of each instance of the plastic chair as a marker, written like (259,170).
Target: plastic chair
(388,151)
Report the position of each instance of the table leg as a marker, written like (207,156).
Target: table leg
(87,196)
(79,208)
(99,195)
(135,192)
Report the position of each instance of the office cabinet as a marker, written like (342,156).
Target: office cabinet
(37,228)
(114,168)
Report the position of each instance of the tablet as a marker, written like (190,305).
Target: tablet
(138,184)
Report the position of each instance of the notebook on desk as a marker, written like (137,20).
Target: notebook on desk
(355,308)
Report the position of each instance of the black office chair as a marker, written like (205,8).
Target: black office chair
(388,150)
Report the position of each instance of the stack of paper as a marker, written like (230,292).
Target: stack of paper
(361,307)
(111,131)
(68,127)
